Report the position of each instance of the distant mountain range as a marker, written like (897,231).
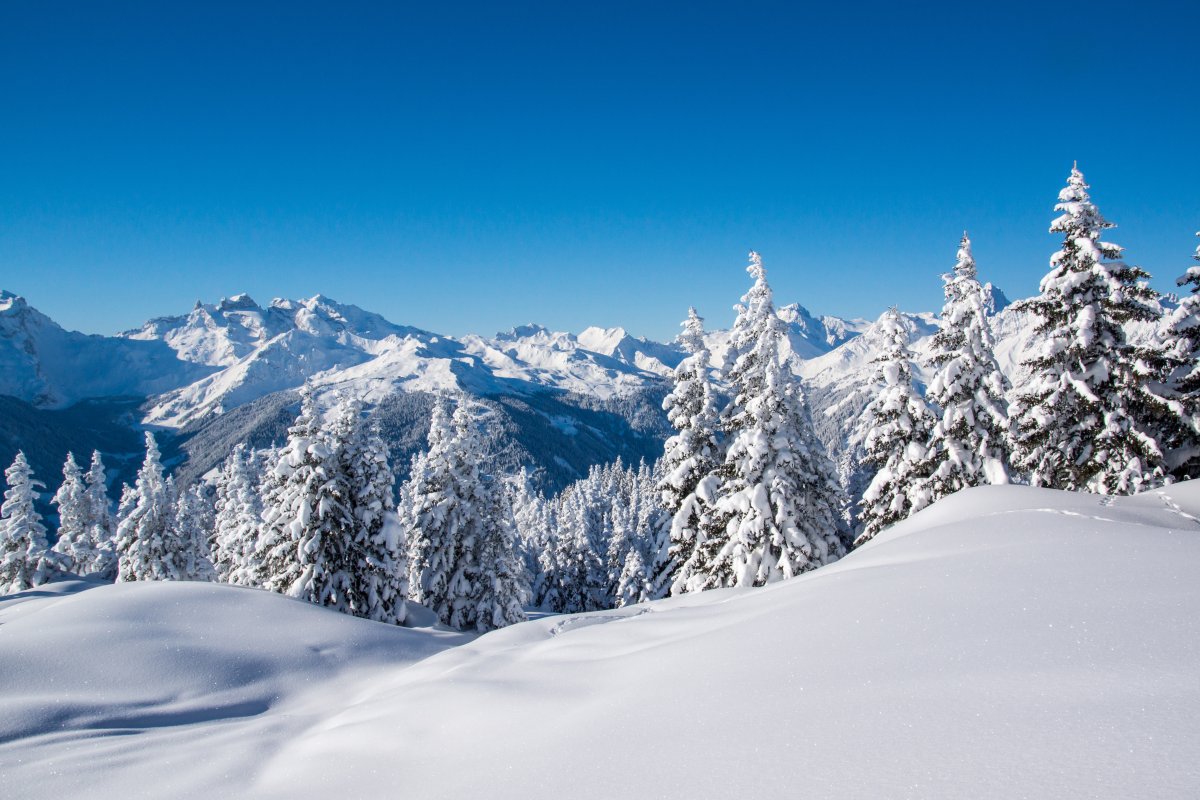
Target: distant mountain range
(228,372)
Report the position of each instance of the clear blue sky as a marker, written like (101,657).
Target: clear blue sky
(467,167)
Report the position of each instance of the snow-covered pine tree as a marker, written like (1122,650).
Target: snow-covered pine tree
(100,524)
(306,524)
(1180,353)
(776,511)
(461,544)
(25,557)
(499,588)
(533,528)
(376,560)
(898,424)
(688,456)
(1076,420)
(653,526)
(74,541)
(147,543)
(192,528)
(238,516)
(580,564)
(438,522)
(969,445)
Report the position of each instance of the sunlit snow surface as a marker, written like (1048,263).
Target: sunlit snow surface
(1007,642)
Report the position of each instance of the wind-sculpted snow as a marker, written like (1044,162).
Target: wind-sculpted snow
(1005,642)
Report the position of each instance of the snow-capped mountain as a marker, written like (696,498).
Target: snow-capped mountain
(43,364)
(196,368)
(220,356)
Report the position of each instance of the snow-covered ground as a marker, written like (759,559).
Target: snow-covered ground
(1007,642)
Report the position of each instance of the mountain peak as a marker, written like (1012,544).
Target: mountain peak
(239,302)
(10,301)
(522,332)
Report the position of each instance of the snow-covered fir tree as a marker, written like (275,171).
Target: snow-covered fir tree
(582,574)
(308,523)
(462,559)
(192,529)
(776,508)
(73,543)
(376,559)
(969,445)
(532,518)
(437,525)
(1076,421)
(652,524)
(25,557)
(1181,353)
(100,524)
(688,456)
(147,542)
(238,515)
(499,588)
(898,426)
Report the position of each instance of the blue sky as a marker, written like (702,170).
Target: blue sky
(468,167)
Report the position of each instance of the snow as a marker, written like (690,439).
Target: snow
(1005,642)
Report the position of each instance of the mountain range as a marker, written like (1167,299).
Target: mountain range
(228,372)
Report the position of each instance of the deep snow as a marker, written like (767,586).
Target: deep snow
(1007,642)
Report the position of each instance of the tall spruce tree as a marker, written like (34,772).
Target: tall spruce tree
(898,426)
(25,557)
(238,516)
(1077,423)
(100,523)
(307,521)
(776,510)
(969,445)
(437,525)
(688,456)
(376,558)
(147,543)
(192,529)
(74,540)
(461,545)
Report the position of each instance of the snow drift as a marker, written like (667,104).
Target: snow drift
(1006,642)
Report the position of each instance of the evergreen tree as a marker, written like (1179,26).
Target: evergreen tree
(969,444)
(377,569)
(688,456)
(653,526)
(302,550)
(898,424)
(192,528)
(1181,353)
(238,515)
(634,585)
(25,558)
(438,523)
(532,526)
(499,588)
(461,546)
(100,524)
(147,544)
(1077,420)
(74,538)
(580,562)
(777,508)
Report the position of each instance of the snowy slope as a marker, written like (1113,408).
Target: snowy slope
(1006,642)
